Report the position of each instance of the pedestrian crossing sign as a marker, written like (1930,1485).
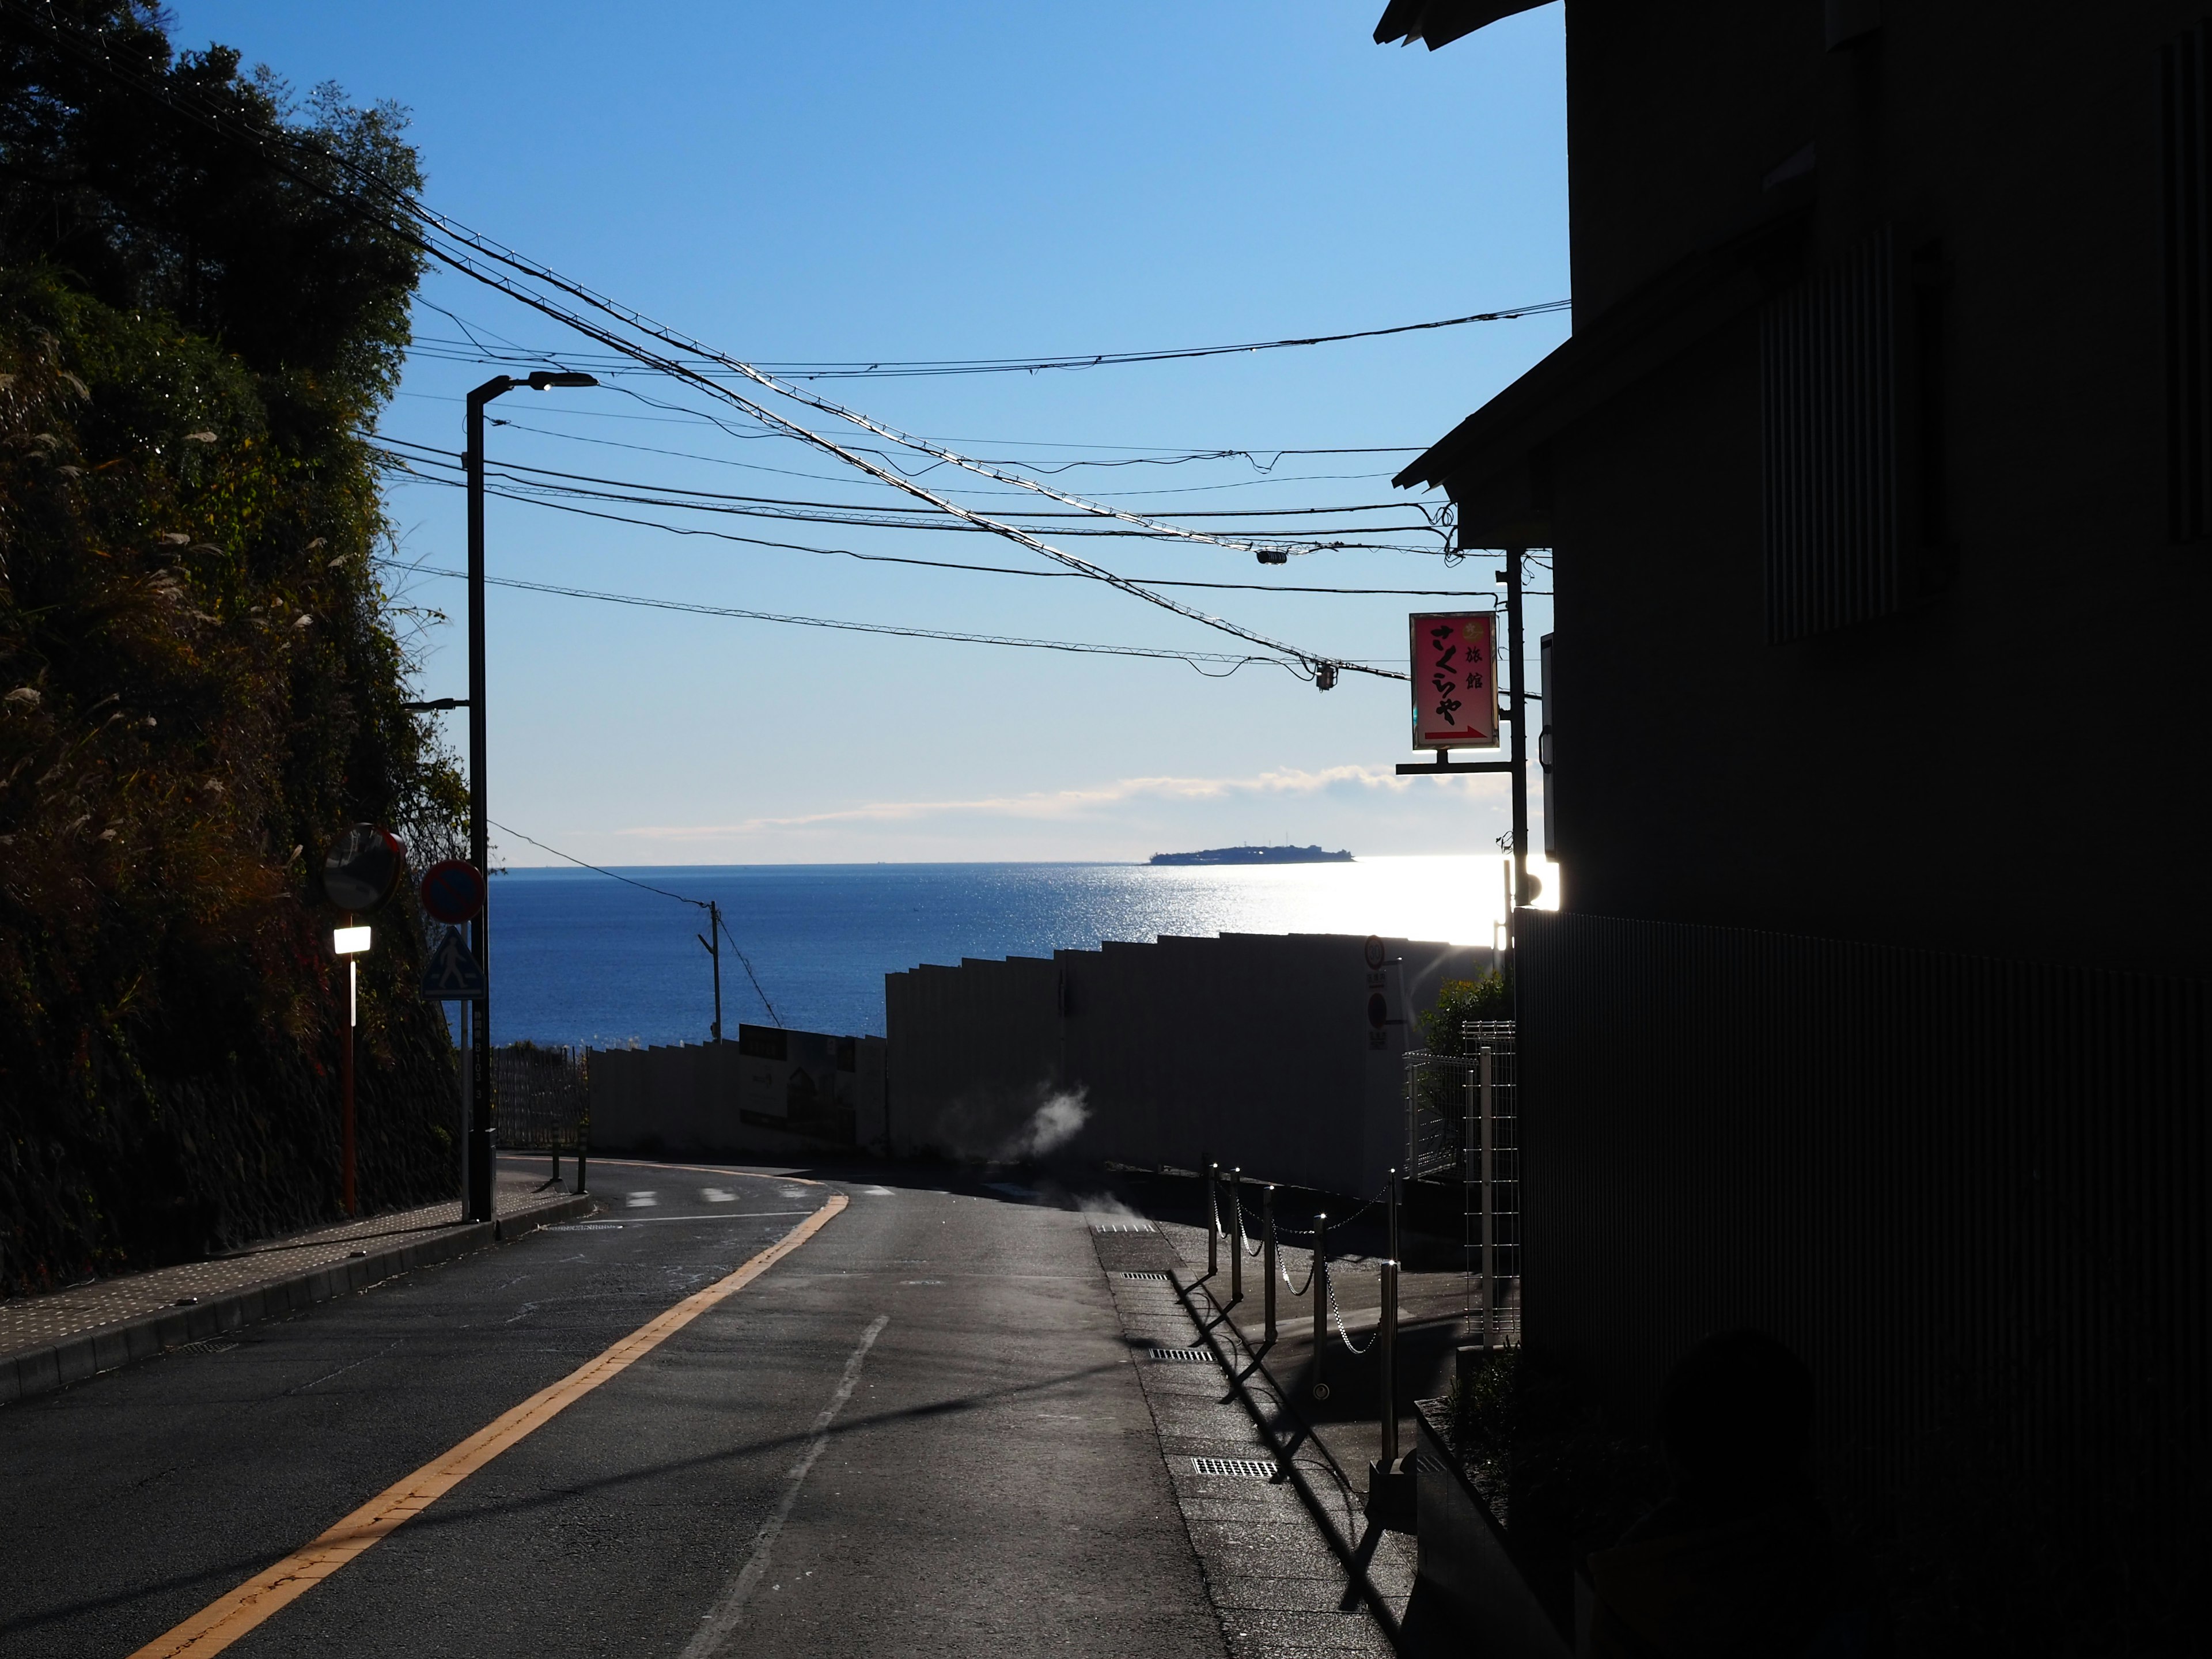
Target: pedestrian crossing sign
(452,975)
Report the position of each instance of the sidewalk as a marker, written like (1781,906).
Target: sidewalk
(48,1342)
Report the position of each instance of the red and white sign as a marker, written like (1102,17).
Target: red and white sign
(1455,680)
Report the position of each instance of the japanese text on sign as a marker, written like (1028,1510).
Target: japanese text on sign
(1455,680)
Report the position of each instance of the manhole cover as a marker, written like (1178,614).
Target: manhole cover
(1241,1468)
(1187,1356)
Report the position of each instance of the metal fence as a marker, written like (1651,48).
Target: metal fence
(542,1103)
(1462,1124)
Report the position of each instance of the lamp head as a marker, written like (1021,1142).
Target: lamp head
(540,379)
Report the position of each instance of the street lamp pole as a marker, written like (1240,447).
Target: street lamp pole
(478,1203)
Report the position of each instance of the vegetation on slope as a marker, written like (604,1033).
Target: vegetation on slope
(200,679)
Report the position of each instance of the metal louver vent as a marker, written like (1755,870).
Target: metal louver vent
(1828,394)
(1241,1468)
(2185,204)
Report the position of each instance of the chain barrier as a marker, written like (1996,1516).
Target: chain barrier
(1312,1267)
(1343,1335)
(1383,1192)
(1253,1248)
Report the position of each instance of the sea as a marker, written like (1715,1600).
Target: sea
(584,958)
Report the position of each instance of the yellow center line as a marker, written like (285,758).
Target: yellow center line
(216,1626)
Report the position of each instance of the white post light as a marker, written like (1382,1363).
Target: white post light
(349,942)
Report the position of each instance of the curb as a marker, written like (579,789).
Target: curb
(43,1370)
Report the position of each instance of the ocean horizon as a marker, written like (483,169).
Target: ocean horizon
(582,957)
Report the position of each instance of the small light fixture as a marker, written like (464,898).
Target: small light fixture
(349,941)
(540,379)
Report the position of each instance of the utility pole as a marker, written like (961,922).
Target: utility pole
(714,943)
(479,1195)
(1511,577)
(478,1200)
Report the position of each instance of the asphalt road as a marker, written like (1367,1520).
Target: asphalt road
(919,1433)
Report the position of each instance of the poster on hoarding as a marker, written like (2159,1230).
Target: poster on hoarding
(1455,680)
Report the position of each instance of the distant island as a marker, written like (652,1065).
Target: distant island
(1255,856)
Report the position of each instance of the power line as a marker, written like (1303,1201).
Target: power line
(485,261)
(446,457)
(713,910)
(472,350)
(1194,659)
(551,495)
(982,569)
(1260,482)
(1136,454)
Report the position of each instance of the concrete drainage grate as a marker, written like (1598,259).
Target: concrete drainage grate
(1241,1468)
(1121,1226)
(208,1344)
(1160,1278)
(1187,1356)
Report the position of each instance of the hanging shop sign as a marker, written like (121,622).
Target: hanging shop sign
(1455,658)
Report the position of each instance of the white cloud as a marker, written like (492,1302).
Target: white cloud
(1091,802)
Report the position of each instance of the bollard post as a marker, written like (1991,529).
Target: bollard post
(1387,1339)
(1213,1218)
(1237,1235)
(1267,1254)
(1396,1188)
(583,1145)
(1320,1304)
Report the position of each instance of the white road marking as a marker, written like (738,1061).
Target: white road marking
(718,1195)
(878,1192)
(642,1201)
(717,1215)
(721,1620)
(791,1192)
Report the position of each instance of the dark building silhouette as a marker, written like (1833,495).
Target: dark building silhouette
(1878,473)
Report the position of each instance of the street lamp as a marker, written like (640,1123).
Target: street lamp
(480,1183)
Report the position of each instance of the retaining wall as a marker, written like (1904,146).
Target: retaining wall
(772,1094)
(1270,1051)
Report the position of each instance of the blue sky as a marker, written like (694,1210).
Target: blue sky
(959,181)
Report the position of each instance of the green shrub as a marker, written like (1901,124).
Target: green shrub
(1459,1000)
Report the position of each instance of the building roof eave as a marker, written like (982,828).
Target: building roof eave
(1669,314)
(1439,23)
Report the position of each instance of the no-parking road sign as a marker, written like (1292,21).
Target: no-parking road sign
(454,892)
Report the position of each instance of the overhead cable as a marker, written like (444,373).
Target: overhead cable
(451,458)
(489,262)
(475,351)
(1196,660)
(985,569)
(1330,538)
(566,501)
(713,910)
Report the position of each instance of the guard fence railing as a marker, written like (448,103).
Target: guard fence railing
(1463,1126)
(1229,1234)
(541,1103)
